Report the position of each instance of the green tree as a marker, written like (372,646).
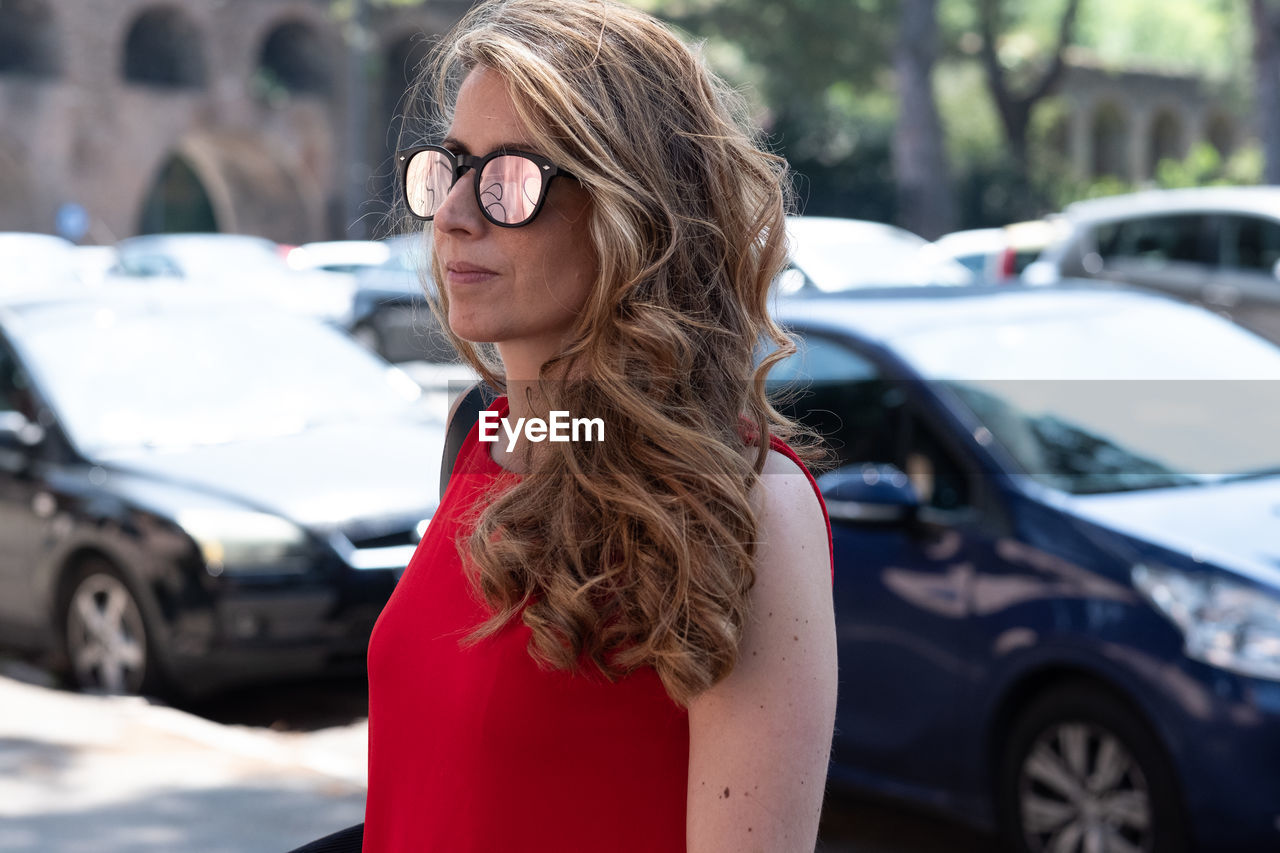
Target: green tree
(1019,83)
(1266,60)
(926,202)
(819,71)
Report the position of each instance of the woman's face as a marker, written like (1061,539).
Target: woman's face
(521,288)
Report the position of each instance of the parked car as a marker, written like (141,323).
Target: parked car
(999,254)
(32,260)
(391,315)
(241,265)
(96,265)
(831,255)
(342,256)
(1057,574)
(196,492)
(1214,246)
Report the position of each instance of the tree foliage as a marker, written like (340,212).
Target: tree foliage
(820,72)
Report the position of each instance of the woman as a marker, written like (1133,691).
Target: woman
(624,644)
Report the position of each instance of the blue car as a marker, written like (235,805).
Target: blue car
(1056,515)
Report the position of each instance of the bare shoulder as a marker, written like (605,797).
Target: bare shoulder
(785,502)
(760,739)
(793,552)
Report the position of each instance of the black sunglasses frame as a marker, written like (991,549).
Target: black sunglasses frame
(463,162)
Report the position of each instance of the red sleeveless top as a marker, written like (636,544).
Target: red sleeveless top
(476,748)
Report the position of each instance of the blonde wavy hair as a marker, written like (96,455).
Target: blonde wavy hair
(638,550)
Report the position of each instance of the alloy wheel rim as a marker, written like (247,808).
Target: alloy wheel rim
(1081,791)
(105,637)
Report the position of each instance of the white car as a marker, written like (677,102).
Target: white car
(244,265)
(30,259)
(341,256)
(1001,254)
(830,254)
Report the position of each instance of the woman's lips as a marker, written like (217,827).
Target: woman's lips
(459,273)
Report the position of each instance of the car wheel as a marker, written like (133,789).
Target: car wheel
(107,642)
(1082,773)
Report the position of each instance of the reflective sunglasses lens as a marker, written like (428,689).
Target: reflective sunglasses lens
(510,187)
(428,179)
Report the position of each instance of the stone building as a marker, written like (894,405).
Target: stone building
(1122,123)
(234,115)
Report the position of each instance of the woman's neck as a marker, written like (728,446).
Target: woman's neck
(522,365)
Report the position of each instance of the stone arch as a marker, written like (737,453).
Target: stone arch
(1109,142)
(248,189)
(1221,133)
(28,39)
(1167,141)
(164,48)
(295,59)
(403,60)
(177,201)
(403,63)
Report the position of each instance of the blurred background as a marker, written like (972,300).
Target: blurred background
(1035,280)
(278,119)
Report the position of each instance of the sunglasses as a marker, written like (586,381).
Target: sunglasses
(510,185)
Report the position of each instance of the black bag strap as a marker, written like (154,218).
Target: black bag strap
(464,414)
(349,840)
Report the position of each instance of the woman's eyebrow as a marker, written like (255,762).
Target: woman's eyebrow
(454,144)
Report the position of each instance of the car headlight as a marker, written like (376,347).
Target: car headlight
(1225,623)
(243,541)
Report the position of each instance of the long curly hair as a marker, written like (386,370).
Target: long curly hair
(638,550)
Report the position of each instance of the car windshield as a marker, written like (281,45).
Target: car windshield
(168,378)
(1151,395)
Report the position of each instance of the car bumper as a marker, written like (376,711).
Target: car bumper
(1225,742)
(260,631)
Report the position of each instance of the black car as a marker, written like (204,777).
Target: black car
(391,316)
(197,491)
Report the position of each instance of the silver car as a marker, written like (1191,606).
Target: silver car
(1213,246)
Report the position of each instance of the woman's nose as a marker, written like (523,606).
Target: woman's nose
(459,211)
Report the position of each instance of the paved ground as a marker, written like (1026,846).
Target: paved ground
(111,774)
(258,770)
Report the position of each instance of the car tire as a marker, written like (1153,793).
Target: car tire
(1081,772)
(108,643)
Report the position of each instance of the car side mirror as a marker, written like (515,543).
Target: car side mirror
(869,494)
(1275,270)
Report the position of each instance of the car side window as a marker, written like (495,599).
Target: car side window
(820,359)
(939,479)
(1250,243)
(1156,241)
(842,396)
(15,390)
(866,418)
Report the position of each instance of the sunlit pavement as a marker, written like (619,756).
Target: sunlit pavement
(113,774)
(257,770)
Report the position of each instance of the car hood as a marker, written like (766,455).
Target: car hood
(1232,525)
(318,478)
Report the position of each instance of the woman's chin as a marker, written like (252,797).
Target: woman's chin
(475,329)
